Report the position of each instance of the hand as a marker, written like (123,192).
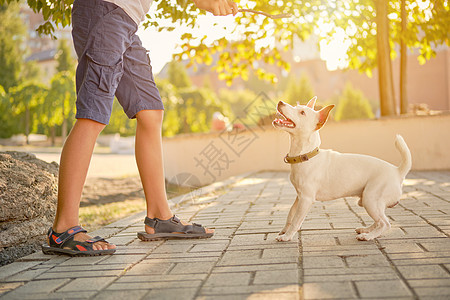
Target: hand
(218,7)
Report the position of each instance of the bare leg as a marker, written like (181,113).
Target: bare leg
(149,160)
(75,160)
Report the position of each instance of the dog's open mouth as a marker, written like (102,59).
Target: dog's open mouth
(283,121)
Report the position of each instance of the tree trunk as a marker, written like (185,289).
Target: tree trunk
(52,134)
(64,123)
(403,62)
(385,78)
(27,124)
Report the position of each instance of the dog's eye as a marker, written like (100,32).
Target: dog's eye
(303,112)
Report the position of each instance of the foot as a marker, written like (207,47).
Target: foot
(82,237)
(283,238)
(151,230)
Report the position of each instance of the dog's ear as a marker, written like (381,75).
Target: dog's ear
(323,115)
(312,102)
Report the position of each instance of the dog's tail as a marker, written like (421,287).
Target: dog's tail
(406,163)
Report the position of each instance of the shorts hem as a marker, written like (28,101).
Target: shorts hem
(157,106)
(94,116)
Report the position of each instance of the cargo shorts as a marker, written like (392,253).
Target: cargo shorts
(111,62)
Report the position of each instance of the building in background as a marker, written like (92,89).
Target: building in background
(43,49)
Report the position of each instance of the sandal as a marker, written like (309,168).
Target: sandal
(64,243)
(173,229)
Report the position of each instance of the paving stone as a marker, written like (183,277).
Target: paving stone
(120,295)
(80,274)
(229,279)
(252,268)
(266,289)
(159,277)
(382,289)
(323,262)
(121,259)
(26,275)
(441,292)
(173,293)
(87,284)
(423,272)
(429,282)
(277,276)
(155,268)
(364,261)
(189,268)
(16,267)
(40,286)
(328,290)
(153,285)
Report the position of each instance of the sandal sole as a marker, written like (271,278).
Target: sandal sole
(171,236)
(46,249)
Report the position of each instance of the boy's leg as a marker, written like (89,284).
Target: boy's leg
(149,159)
(75,159)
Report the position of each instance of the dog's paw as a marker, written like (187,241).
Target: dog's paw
(363,237)
(283,238)
(361,230)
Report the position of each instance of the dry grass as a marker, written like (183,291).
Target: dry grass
(97,215)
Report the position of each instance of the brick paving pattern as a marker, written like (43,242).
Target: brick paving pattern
(243,260)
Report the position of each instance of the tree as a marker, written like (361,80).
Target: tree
(64,57)
(59,103)
(12,33)
(353,105)
(299,90)
(385,77)
(178,75)
(25,101)
(7,120)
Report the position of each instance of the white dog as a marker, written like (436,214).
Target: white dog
(326,175)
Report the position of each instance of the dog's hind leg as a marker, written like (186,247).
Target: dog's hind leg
(290,217)
(376,210)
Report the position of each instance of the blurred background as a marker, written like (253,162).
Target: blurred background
(221,77)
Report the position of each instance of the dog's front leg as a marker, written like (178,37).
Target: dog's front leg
(302,209)
(290,217)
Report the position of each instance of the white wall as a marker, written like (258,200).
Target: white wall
(228,154)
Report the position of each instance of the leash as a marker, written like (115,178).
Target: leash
(279,16)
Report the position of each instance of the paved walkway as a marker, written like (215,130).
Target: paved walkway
(243,260)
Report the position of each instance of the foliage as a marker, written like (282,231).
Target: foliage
(26,100)
(119,122)
(299,90)
(7,121)
(59,103)
(235,102)
(64,57)
(178,75)
(12,34)
(187,108)
(353,105)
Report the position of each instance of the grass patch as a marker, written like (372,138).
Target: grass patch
(93,217)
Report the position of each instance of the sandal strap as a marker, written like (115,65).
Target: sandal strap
(95,240)
(61,238)
(173,225)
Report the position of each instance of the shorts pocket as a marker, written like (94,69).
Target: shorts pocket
(104,72)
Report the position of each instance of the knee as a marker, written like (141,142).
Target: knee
(90,126)
(150,119)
